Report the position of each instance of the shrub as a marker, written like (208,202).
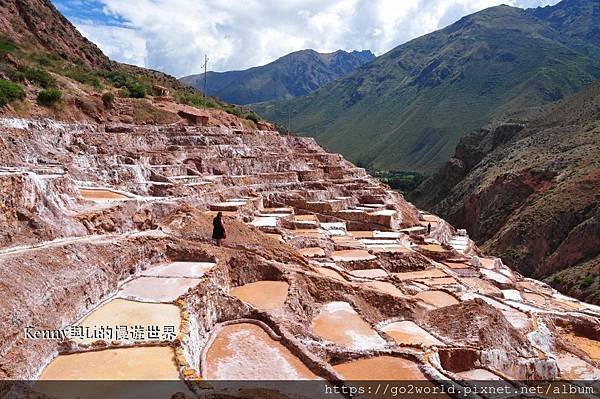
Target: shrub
(10,91)
(39,77)
(136,90)
(108,99)
(49,96)
(83,76)
(7,46)
(253,117)
(196,100)
(587,281)
(234,111)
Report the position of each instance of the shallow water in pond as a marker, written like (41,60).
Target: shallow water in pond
(386,287)
(338,322)
(380,368)
(141,363)
(331,273)
(478,375)
(432,248)
(246,352)
(407,332)
(369,273)
(437,298)
(263,295)
(350,255)
(179,269)
(101,195)
(157,289)
(120,312)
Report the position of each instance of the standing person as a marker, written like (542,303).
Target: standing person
(428,228)
(218,228)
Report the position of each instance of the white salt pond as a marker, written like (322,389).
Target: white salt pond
(246,352)
(157,289)
(338,322)
(408,332)
(179,269)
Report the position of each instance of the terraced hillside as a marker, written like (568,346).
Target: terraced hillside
(407,110)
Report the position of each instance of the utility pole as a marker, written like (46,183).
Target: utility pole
(205,64)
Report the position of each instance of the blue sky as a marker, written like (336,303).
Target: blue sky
(174,35)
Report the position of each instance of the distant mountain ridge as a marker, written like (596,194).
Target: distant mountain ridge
(407,109)
(295,74)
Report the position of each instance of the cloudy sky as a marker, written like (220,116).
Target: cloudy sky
(174,35)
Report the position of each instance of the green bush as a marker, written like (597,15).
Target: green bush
(6,46)
(253,117)
(196,100)
(84,76)
(587,281)
(136,90)
(234,111)
(108,99)
(10,91)
(39,77)
(49,97)
(135,87)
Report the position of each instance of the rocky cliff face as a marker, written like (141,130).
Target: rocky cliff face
(528,192)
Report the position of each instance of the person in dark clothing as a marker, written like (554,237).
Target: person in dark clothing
(428,228)
(218,229)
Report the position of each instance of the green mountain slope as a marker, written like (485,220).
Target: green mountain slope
(292,75)
(408,108)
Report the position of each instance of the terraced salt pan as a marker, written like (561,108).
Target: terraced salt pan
(589,346)
(380,368)
(573,368)
(436,298)
(338,322)
(312,252)
(246,352)
(351,255)
(478,375)
(386,287)
(421,274)
(518,319)
(179,269)
(264,221)
(408,332)
(138,363)
(157,289)
(101,195)
(369,273)
(264,295)
(331,273)
(432,247)
(494,276)
(119,312)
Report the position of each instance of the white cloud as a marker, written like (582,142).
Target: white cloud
(174,35)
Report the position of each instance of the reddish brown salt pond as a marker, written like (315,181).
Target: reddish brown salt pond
(312,252)
(264,295)
(140,363)
(380,368)
(421,274)
(482,286)
(119,312)
(439,281)
(351,255)
(331,273)
(157,289)
(478,375)
(408,332)
(369,273)
(432,248)
(436,298)
(101,194)
(246,352)
(338,322)
(179,269)
(386,287)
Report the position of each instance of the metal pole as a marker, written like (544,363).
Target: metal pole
(205,64)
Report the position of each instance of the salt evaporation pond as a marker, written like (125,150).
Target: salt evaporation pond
(179,269)
(119,312)
(101,194)
(245,351)
(407,332)
(338,322)
(264,295)
(436,298)
(157,289)
(380,368)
